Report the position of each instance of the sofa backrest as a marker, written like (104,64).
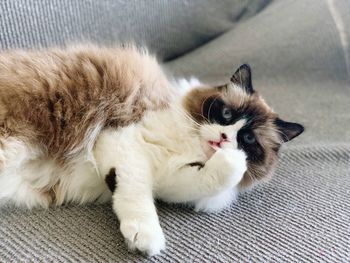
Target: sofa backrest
(169,28)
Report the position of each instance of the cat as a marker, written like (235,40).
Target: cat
(75,117)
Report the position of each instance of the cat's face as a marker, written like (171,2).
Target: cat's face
(235,113)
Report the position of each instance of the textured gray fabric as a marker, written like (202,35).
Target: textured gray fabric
(302,215)
(299,52)
(298,63)
(169,27)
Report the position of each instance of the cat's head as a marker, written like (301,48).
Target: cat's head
(236,113)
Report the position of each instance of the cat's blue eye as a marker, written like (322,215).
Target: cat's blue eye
(226,113)
(249,138)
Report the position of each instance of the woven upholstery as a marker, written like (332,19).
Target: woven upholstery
(300,55)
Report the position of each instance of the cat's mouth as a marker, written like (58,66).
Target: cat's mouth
(218,144)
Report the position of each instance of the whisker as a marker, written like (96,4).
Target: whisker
(182,113)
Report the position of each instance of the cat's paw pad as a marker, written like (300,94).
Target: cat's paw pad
(145,237)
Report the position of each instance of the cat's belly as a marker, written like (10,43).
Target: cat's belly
(79,182)
(83,184)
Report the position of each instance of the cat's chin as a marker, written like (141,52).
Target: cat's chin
(207,149)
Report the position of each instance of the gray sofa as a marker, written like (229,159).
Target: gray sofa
(300,55)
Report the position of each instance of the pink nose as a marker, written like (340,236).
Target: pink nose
(223,136)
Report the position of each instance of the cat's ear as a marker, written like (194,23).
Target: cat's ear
(288,130)
(243,78)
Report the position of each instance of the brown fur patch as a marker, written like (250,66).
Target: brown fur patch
(61,98)
(195,100)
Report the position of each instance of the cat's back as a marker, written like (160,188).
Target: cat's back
(82,67)
(60,97)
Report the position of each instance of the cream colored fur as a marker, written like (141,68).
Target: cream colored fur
(71,117)
(151,160)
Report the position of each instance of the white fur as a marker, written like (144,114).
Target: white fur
(151,159)
(185,85)
(217,202)
(16,184)
(26,174)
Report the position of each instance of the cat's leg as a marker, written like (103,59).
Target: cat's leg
(195,181)
(17,184)
(134,205)
(13,152)
(118,153)
(16,190)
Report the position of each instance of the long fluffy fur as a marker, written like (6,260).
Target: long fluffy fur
(68,93)
(70,117)
(54,104)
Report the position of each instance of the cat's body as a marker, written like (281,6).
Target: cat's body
(53,106)
(69,118)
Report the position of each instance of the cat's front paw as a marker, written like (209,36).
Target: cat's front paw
(231,164)
(145,237)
